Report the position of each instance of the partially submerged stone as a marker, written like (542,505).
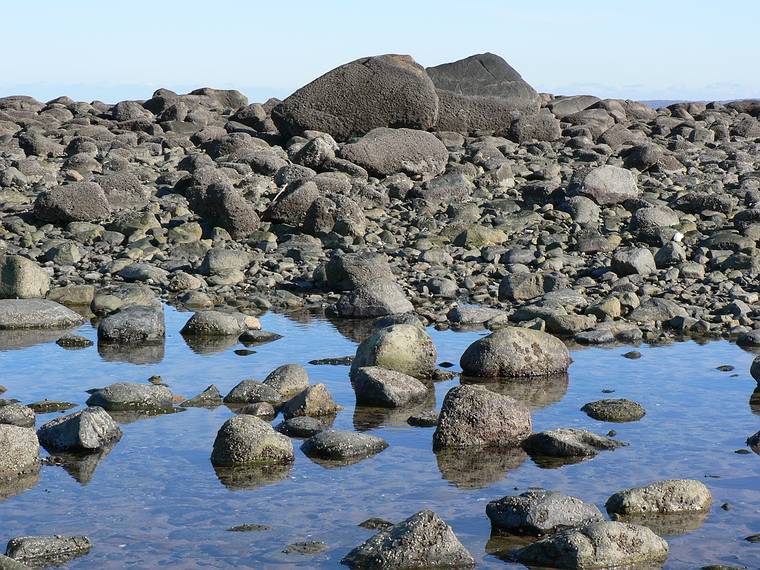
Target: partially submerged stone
(247,439)
(661,497)
(341,445)
(90,430)
(614,410)
(404,348)
(127,396)
(540,512)
(383,388)
(315,400)
(568,443)
(36,314)
(47,550)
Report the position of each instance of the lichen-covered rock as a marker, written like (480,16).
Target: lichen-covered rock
(76,202)
(423,540)
(404,348)
(512,352)
(313,401)
(19,453)
(602,544)
(540,512)
(475,416)
(661,497)
(36,314)
(247,439)
(16,414)
(42,551)
(89,430)
(288,379)
(615,410)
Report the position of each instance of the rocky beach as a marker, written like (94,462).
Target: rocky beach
(392,259)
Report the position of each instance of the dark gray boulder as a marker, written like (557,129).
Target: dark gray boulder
(351,270)
(568,442)
(423,540)
(90,430)
(376,298)
(381,91)
(127,396)
(75,202)
(383,388)
(341,445)
(251,392)
(540,512)
(133,324)
(43,551)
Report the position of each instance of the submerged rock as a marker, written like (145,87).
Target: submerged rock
(251,392)
(423,540)
(127,396)
(301,426)
(540,512)
(383,388)
(134,324)
(619,410)
(209,398)
(596,545)
(47,550)
(511,352)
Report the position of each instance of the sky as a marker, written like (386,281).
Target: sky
(111,51)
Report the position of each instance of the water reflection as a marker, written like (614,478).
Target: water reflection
(674,524)
(477,467)
(355,330)
(144,353)
(754,401)
(538,392)
(24,338)
(81,466)
(207,344)
(366,418)
(13,487)
(246,477)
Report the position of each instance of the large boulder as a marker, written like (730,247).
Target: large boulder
(353,99)
(386,388)
(133,324)
(215,323)
(385,151)
(76,202)
(540,512)
(604,544)
(568,443)
(377,298)
(351,270)
(423,540)
(127,396)
(124,190)
(36,314)
(19,453)
(606,185)
(341,445)
(292,205)
(22,278)
(224,206)
(661,497)
(288,379)
(513,352)
(480,92)
(314,401)
(473,416)
(404,348)
(90,430)
(247,439)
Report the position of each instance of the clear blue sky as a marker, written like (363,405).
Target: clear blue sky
(114,50)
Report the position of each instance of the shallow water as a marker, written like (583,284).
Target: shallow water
(156,499)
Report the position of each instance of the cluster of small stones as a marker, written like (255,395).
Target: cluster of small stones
(591,218)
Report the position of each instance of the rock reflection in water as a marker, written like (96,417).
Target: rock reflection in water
(355,330)
(478,467)
(11,488)
(81,466)
(246,477)
(143,353)
(754,401)
(132,416)
(207,344)
(501,546)
(547,462)
(674,524)
(24,338)
(538,392)
(366,418)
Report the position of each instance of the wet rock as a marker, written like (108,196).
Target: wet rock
(36,314)
(313,401)
(90,430)
(301,426)
(134,324)
(423,540)
(253,337)
(19,453)
(427,418)
(49,406)
(308,547)
(73,342)
(661,497)
(47,550)
(342,446)
(478,467)
(375,523)
(11,564)
(16,414)
(209,398)
(247,439)
(403,348)
(384,151)
(288,379)
(381,91)
(251,392)
(249,527)
(512,352)
(126,396)
(475,416)
(568,443)
(540,512)
(383,388)
(22,278)
(214,323)
(618,410)
(597,545)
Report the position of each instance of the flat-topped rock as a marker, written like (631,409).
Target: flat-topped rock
(36,314)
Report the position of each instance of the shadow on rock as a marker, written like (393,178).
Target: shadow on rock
(207,344)
(478,467)
(538,392)
(144,353)
(243,477)
(673,524)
